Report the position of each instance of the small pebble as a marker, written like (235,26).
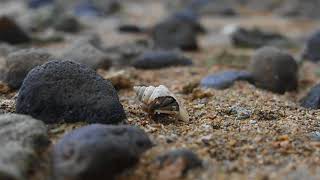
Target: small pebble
(98,152)
(66,23)
(274,70)
(161,59)
(312,99)
(224,79)
(67,91)
(311,49)
(242,113)
(39,3)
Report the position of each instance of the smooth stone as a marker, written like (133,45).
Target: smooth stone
(19,63)
(39,3)
(11,33)
(312,99)
(161,59)
(88,54)
(274,70)
(66,23)
(311,49)
(189,159)
(98,152)
(67,91)
(225,79)
(22,139)
(256,38)
(87,9)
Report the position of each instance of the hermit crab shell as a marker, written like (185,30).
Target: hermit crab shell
(161,100)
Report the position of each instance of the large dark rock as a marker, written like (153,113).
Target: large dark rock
(19,63)
(274,70)
(256,38)
(67,91)
(88,54)
(189,159)
(177,31)
(311,49)
(225,79)
(161,59)
(11,33)
(22,139)
(98,152)
(312,99)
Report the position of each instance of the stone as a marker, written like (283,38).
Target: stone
(88,54)
(311,49)
(98,151)
(131,28)
(39,3)
(161,59)
(256,38)
(176,32)
(66,23)
(188,159)
(67,91)
(11,33)
(300,9)
(6,49)
(22,139)
(225,79)
(240,112)
(312,99)
(19,63)
(87,9)
(274,70)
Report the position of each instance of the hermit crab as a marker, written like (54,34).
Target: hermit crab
(160,101)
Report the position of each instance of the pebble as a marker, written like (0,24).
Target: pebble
(88,54)
(176,32)
(189,160)
(98,151)
(67,23)
(311,49)
(256,38)
(67,91)
(312,99)
(6,49)
(21,139)
(19,63)
(87,9)
(241,112)
(225,79)
(11,33)
(39,3)
(274,70)
(161,59)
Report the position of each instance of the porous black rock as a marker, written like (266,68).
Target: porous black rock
(256,38)
(225,79)
(19,63)
(189,159)
(161,59)
(67,91)
(312,99)
(11,33)
(98,152)
(311,49)
(88,54)
(22,140)
(177,31)
(274,70)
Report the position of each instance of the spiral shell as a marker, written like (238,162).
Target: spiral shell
(160,100)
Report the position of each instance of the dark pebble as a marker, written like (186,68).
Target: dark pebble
(161,59)
(189,158)
(11,33)
(19,63)
(66,23)
(311,49)
(67,91)
(131,28)
(39,3)
(98,152)
(225,79)
(274,70)
(312,100)
(256,38)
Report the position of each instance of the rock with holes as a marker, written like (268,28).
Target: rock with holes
(11,33)
(19,63)
(312,99)
(88,54)
(225,79)
(98,152)
(274,70)
(22,139)
(183,159)
(161,59)
(67,91)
